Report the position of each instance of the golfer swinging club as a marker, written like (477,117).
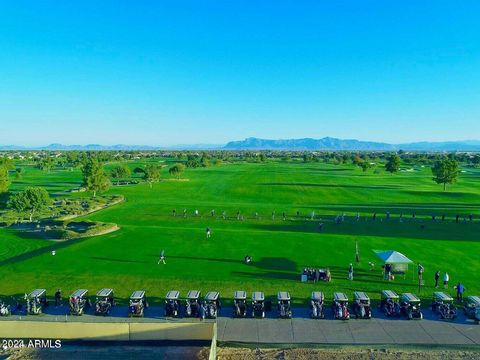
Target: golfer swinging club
(162,257)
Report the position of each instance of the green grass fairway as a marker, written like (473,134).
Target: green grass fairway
(127,259)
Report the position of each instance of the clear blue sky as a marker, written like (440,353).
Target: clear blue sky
(176,72)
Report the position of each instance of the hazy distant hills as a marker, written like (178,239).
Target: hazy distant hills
(306,144)
(333,144)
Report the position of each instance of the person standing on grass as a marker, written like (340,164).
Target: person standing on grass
(196,212)
(284,216)
(162,258)
(273,215)
(209,232)
(446,279)
(224,214)
(212,212)
(460,290)
(437,277)
(174,212)
(350,272)
(420,271)
(470,217)
(184,213)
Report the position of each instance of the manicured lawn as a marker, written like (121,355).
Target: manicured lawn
(127,259)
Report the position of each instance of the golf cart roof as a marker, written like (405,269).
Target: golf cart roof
(338,296)
(258,296)
(137,295)
(474,300)
(389,294)
(36,293)
(105,292)
(360,295)
(317,295)
(172,295)
(438,295)
(240,295)
(212,296)
(283,295)
(193,294)
(79,293)
(409,297)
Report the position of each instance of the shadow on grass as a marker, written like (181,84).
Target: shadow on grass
(47,249)
(418,229)
(335,186)
(117,260)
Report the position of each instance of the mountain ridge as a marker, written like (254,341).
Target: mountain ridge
(253,143)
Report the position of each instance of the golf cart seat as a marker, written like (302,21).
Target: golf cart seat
(192,305)
(212,304)
(284,309)
(410,306)
(443,305)
(471,307)
(258,304)
(138,303)
(240,304)
(36,301)
(172,303)
(317,305)
(361,305)
(390,304)
(104,301)
(78,302)
(340,306)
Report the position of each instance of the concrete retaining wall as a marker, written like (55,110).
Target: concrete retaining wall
(108,331)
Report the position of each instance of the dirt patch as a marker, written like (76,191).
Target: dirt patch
(108,352)
(342,354)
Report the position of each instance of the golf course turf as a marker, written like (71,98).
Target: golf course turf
(126,260)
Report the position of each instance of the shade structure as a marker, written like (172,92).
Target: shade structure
(398,261)
(392,257)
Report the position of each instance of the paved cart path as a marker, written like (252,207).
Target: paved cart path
(378,330)
(303,330)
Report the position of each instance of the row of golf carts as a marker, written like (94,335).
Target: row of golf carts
(406,304)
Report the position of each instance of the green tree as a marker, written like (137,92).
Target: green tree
(120,172)
(7,163)
(46,164)
(94,177)
(30,201)
(176,170)
(18,173)
(151,174)
(445,171)
(4,180)
(393,164)
(365,165)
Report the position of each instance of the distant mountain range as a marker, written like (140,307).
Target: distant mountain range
(333,144)
(306,144)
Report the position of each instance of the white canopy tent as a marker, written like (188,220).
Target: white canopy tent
(398,261)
